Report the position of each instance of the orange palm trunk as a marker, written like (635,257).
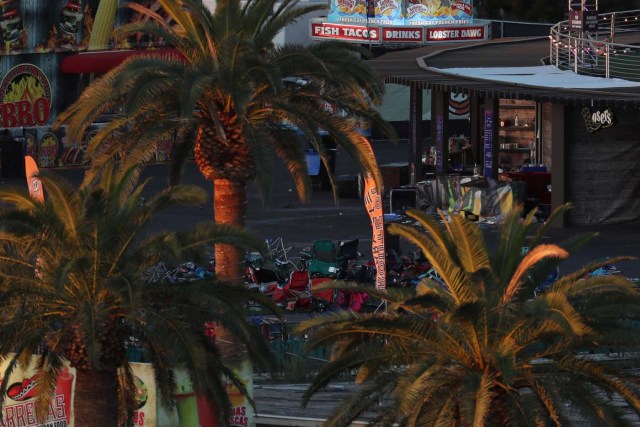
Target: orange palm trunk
(230,207)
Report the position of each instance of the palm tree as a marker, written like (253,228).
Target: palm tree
(479,348)
(72,288)
(233,99)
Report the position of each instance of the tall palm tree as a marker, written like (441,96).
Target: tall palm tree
(72,287)
(232,99)
(479,349)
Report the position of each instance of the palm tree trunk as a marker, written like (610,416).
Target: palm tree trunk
(95,401)
(229,207)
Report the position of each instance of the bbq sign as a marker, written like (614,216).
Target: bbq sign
(25,94)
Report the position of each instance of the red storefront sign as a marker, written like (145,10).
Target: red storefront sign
(357,33)
(25,96)
(402,34)
(455,33)
(326,30)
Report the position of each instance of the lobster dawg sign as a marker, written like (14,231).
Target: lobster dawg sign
(25,94)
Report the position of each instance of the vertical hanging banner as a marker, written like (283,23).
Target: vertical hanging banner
(242,414)
(33,182)
(488,144)
(145,414)
(373,204)
(439,143)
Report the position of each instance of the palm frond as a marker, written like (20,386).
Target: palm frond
(557,212)
(470,246)
(534,256)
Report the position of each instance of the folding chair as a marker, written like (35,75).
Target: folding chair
(323,261)
(327,295)
(299,280)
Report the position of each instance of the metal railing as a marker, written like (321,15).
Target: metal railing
(613,51)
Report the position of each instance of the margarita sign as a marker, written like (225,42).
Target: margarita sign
(25,93)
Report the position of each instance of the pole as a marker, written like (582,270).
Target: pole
(371,13)
(575,54)
(607,52)
(415,140)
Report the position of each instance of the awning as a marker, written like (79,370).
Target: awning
(103,61)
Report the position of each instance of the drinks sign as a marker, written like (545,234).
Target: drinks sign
(25,94)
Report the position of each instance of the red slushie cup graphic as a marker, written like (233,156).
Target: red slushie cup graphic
(64,386)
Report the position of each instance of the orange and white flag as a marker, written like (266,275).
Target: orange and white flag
(373,204)
(33,182)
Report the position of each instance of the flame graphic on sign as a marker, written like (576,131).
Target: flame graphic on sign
(25,88)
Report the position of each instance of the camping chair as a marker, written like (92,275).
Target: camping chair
(299,281)
(347,258)
(323,261)
(321,299)
(348,249)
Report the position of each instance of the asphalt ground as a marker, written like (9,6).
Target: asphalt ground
(300,224)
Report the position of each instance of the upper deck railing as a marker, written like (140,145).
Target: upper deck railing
(611,51)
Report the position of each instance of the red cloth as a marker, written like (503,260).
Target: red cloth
(326,294)
(536,184)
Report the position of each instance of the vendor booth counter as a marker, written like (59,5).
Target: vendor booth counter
(50,148)
(484,197)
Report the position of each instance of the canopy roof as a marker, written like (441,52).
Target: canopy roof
(492,69)
(541,76)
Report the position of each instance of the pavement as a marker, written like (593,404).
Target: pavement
(300,224)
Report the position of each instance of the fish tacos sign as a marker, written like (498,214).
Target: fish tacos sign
(25,96)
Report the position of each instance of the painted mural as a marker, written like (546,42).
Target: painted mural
(34,26)
(401,12)
(35,38)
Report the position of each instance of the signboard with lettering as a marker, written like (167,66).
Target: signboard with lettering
(575,20)
(21,397)
(242,414)
(403,35)
(583,20)
(455,33)
(363,34)
(25,94)
(598,120)
(396,34)
(374,206)
(590,20)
